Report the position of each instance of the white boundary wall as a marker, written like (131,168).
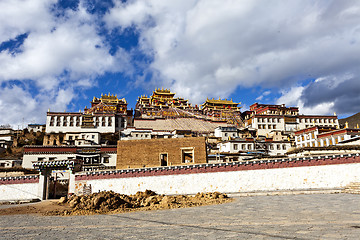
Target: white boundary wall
(294,178)
(21,191)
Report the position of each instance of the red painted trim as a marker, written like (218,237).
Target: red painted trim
(63,114)
(269,116)
(49,149)
(18,181)
(65,149)
(338,132)
(316,116)
(228,168)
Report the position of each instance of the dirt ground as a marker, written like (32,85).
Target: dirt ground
(39,208)
(110,202)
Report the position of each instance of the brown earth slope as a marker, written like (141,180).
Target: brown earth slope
(108,202)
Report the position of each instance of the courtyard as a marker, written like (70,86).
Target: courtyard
(312,216)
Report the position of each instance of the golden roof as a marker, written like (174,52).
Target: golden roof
(108,98)
(163,91)
(220,101)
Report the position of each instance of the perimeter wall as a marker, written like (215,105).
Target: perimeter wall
(328,172)
(19,188)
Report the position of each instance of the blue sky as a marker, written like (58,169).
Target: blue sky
(58,55)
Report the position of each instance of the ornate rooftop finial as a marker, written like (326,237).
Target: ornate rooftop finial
(346,125)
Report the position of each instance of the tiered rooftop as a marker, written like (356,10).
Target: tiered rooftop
(163,104)
(108,104)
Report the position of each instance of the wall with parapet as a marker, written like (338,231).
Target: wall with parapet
(327,172)
(310,173)
(19,188)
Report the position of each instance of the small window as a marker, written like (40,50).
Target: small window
(163,159)
(187,155)
(235,147)
(106,160)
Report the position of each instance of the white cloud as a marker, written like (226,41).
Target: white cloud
(293,97)
(264,94)
(209,48)
(19,107)
(21,16)
(60,54)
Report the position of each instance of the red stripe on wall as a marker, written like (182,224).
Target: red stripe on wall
(19,181)
(209,169)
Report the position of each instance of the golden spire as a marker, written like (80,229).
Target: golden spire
(346,125)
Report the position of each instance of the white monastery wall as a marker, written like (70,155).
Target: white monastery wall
(22,191)
(294,178)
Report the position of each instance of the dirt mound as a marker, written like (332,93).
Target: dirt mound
(111,202)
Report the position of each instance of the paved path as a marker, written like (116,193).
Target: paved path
(318,216)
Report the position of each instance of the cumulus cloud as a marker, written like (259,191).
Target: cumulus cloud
(326,95)
(210,48)
(264,94)
(19,107)
(19,16)
(59,54)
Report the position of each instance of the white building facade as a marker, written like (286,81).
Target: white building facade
(322,137)
(94,157)
(273,148)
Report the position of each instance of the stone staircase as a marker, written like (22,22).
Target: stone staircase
(353,187)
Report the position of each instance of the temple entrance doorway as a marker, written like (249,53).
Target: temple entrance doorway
(57,177)
(58,184)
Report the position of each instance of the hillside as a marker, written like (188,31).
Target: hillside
(23,138)
(352,120)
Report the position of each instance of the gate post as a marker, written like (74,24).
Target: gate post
(43,184)
(71,189)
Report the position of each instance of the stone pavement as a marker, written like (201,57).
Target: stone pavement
(315,216)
